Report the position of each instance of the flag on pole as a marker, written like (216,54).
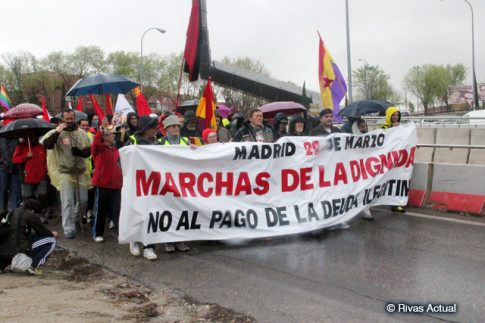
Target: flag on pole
(4,100)
(206,108)
(122,109)
(332,84)
(109,107)
(79,104)
(141,104)
(46,116)
(193,43)
(97,108)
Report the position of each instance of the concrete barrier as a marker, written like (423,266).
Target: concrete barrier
(425,136)
(477,156)
(420,184)
(458,136)
(457,188)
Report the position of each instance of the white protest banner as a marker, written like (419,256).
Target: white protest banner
(122,109)
(249,190)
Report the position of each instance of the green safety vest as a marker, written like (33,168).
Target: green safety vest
(184,141)
(134,139)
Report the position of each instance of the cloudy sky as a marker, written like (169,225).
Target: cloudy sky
(393,34)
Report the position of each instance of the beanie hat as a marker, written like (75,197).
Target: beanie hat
(325,112)
(206,133)
(171,120)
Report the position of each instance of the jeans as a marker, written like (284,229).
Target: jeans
(10,183)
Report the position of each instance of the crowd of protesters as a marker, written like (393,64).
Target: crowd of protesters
(81,161)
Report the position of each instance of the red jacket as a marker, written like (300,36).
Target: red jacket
(107,168)
(35,166)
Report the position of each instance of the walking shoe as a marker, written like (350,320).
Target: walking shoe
(367,215)
(111,224)
(34,271)
(78,227)
(398,209)
(149,254)
(342,226)
(181,246)
(70,235)
(99,239)
(134,248)
(169,247)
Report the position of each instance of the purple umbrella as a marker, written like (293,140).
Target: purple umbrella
(223,110)
(288,108)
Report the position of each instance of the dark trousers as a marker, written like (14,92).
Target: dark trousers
(91,198)
(42,248)
(109,202)
(10,185)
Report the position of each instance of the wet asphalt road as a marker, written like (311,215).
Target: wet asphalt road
(342,275)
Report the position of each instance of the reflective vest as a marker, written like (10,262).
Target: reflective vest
(134,139)
(184,141)
(90,158)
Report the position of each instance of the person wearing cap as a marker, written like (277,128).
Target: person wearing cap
(235,124)
(254,129)
(107,178)
(190,125)
(279,126)
(222,133)
(210,136)
(325,127)
(145,135)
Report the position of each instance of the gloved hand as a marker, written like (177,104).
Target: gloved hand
(76,152)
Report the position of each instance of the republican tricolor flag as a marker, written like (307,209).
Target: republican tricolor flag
(206,108)
(332,83)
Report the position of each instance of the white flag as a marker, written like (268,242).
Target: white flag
(121,110)
(70,106)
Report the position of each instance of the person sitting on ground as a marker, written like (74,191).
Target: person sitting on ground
(393,119)
(254,129)
(39,245)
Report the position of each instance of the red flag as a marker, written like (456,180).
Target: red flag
(192,44)
(141,104)
(97,108)
(79,104)
(207,107)
(46,115)
(109,107)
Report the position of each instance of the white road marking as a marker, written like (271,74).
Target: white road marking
(445,219)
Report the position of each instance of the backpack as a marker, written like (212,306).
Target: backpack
(5,228)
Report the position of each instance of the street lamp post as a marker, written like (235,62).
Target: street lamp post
(475,94)
(416,68)
(349,65)
(141,54)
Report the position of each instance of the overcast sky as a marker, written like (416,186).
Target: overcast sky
(393,34)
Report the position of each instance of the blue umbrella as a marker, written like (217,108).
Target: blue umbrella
(102,83)
(363,107)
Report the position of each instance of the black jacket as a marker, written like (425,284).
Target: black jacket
(7,148)
(247,134)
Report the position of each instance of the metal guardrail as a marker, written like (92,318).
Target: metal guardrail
(451,146)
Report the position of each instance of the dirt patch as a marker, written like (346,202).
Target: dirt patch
(74,290)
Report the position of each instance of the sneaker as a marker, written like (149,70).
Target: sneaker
(111,224)
(70,235)
(89,217)
(99,239)
(34,271)
(134,248)
(169,247)
(343,226)
(181,246)
(398,209)
(367,215)
(149,254)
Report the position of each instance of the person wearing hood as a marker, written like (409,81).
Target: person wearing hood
(279,126)
(297,126)
(254,129)
(145,135)
(393,119)
(222,133)
(235,124)
(93,119)
(132,123)
(68,168)
(190,125)
(347,127)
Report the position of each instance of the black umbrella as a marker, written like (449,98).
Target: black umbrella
(187,105)
(363,107)
(78,115)
(18,128)
(102,83)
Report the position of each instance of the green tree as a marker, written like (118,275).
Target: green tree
(18,65)
(372,83)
